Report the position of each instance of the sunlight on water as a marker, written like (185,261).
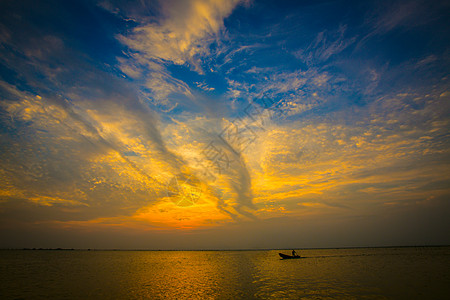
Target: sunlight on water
(372,273)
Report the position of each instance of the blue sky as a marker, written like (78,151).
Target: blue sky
(201,124)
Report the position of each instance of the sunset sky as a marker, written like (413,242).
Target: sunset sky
(224,124)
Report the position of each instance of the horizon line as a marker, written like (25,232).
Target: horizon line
(242,249)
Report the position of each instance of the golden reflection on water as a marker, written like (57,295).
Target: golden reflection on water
(196,275)
(398,273)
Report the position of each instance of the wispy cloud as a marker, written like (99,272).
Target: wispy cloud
(204,86)
(92,141)
(184,32)
(181,35)
(396,15)
(325,45)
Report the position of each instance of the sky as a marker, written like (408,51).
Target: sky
(208,124)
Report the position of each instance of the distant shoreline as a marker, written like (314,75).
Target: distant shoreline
(222,250)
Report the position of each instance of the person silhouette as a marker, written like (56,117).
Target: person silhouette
(294,253)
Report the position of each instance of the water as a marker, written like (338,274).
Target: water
(364,273)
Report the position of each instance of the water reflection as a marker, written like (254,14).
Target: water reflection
(190,275)
(334,273)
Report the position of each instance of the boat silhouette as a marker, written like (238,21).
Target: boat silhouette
(285,256)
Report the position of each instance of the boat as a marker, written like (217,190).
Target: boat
(285,256)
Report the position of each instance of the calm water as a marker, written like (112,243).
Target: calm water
(370,273)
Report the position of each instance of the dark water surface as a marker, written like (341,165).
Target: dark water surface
(363,273)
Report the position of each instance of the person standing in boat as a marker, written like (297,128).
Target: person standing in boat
(294,253)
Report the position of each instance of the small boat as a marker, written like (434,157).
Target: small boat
(285,256)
